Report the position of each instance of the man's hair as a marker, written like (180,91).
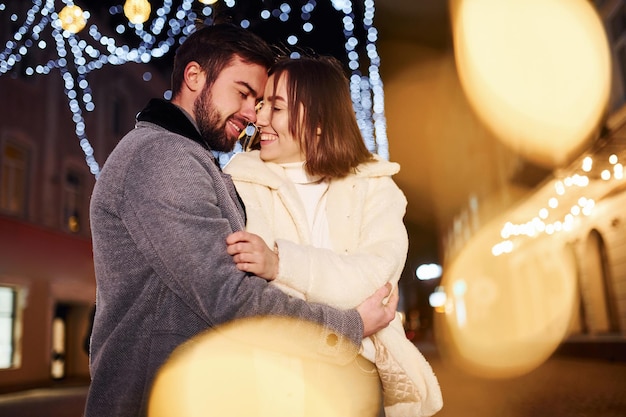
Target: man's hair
(318,96)
(214,47)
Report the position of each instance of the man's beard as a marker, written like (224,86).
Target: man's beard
(210,124)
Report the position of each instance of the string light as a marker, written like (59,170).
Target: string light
(574,196)
(367,91)
(81,49)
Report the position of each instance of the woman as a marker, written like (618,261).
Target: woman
(331,213)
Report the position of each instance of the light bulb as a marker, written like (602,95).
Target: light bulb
(72,19)
(137,11)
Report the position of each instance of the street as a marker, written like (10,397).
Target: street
(561,387)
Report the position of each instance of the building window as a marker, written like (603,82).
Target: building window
(8,303)
(13,178)
(59,323)
(73,198)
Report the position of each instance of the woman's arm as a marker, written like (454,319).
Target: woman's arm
(344,279)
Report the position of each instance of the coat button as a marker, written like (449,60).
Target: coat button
(332,339)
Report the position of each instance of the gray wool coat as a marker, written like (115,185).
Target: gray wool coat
(160,213)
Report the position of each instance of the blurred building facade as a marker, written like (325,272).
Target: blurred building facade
(597,238)
(599,243)
(547,270)
(47,282)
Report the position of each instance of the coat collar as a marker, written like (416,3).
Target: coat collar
(169,116)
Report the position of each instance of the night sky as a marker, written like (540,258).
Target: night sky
(326,38)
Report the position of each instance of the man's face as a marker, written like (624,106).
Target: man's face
(223,109)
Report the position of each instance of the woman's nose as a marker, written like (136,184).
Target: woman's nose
(262,116)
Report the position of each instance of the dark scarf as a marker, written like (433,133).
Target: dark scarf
(171,117)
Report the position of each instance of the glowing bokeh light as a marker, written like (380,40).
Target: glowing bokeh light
(426,272)
(502,316)
(72,18)
(276,362)
(537,72)
(137,11)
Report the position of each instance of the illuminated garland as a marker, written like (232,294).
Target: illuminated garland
(77,54)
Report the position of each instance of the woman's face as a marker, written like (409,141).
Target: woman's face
(277,143)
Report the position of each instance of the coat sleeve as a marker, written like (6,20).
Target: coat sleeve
(345,278)
(176,212)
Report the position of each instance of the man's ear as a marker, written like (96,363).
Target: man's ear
(194,76)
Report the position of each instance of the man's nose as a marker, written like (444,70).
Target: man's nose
(249,110)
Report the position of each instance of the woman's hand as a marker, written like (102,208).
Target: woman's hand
(251,254)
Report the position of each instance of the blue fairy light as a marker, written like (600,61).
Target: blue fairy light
(78,54)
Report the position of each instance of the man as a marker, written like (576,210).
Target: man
(160,212)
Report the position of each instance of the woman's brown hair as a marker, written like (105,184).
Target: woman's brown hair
(321,114)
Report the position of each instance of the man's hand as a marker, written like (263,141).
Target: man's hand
(378,310)
(251,254)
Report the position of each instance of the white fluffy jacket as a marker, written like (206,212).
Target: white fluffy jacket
(365,214)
